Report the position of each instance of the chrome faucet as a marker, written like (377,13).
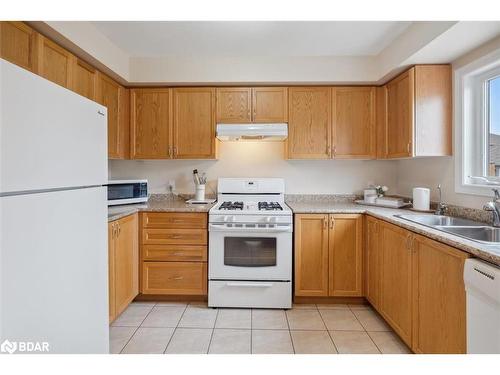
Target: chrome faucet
(441,207)
(494,207)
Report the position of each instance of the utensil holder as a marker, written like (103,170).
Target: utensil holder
(200,193)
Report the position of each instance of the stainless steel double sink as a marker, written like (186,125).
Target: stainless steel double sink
(469,229)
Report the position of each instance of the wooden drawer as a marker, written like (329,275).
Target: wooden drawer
(174,253)
(174,220)
(174,236)
(174,278)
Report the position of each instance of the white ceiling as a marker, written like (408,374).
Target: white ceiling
(252,38)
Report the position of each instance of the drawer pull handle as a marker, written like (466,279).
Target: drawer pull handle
(175,236)
(177,278)
(250,285)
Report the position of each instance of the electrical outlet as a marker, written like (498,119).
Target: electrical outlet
(171,186)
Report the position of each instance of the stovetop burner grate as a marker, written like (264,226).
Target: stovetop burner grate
(231,206)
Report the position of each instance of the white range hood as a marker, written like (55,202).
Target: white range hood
(252,132)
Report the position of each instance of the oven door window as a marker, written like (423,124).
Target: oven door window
(250,251)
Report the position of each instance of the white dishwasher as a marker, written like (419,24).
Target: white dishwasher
(482,286)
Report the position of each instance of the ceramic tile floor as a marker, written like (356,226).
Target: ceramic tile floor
(194,328)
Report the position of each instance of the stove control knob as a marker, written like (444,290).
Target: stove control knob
(225,219)
(270,219)
(229,219)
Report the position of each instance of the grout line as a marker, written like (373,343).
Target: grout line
(333,341)
(359,321)
(368,333)
(365,330)
(175,329)
(289,333)
(329,335)
(137,328)
(212,335)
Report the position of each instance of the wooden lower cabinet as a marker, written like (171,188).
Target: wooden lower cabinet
(372,262)
(311,255)
(185,278)
(328,255)
(416,284)
(123,264)
(345,256)
(439,323)
(174,253)
(396,279)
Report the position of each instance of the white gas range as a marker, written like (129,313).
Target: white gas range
(250,245)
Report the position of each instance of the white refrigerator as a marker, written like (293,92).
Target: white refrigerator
(53,219)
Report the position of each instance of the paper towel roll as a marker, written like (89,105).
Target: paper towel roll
(421,199)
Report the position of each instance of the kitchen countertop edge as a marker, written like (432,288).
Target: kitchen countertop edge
(485,252)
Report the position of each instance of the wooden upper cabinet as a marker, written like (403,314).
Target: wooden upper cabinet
(439,298)
(433,110)
(234,105)
(194,123)
(419,112)
(400,115)
(18,44)
(54,62)
(372,262)
(381,122)
(270,104)
(346,255)
(311,255)
(309,123)
(110,95)
(150,118)
(353,118)
(84,80)
(396,279)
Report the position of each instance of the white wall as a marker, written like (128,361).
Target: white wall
(261,159)
(428,172)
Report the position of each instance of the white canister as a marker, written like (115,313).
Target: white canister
(421,199)
(200,193)
(368,193)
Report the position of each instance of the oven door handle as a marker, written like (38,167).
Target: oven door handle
(224,228)
(250,285)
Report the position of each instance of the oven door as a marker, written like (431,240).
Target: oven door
(250,254)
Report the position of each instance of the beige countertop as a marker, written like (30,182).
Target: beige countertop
(489,253)
(159,203)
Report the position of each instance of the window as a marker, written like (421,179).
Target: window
(477,126)
(492,110)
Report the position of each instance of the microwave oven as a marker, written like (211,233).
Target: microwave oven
(127,191)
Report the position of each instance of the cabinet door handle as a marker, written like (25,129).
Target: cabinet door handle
(329,151)
(175,236)
(332,222)
(175,151)
(113,230)
(408,148)
(334,150)
(176,278)
(170,151)
(119,229)
(325,223)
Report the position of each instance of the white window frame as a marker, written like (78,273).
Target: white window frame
(471,146)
